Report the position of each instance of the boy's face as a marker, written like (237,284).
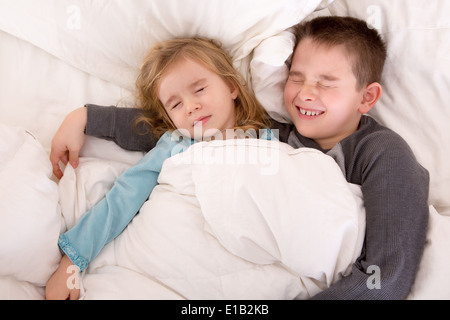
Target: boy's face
(321,95)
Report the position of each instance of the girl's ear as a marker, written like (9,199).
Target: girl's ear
(371,95)
(234,90)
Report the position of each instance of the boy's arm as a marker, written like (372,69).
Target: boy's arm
(111,123)
(107,219)
(395,189)
(118,125)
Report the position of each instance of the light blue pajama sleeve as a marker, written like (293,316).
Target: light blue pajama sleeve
(107,219)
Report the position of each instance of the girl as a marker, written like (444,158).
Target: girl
(185,85)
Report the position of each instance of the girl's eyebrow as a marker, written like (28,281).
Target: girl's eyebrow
(198,82)
(169,101)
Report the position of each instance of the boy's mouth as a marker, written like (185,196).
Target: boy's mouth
(309,112)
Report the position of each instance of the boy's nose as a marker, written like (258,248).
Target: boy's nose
(308,93)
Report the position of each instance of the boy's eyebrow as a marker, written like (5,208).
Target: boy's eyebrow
(326,77)
(295,73)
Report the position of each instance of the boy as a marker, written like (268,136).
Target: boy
(333,81)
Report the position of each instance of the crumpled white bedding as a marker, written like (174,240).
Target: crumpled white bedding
(30,216)
(238,219)
(58,55)
(202,243)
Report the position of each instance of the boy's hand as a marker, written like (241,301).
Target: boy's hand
(68,140)
(64,283)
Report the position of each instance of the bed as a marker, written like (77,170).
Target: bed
(218,233)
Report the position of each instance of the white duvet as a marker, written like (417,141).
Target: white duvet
(242,219)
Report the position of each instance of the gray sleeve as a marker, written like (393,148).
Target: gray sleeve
(118,125)
(281,130)
(395,189)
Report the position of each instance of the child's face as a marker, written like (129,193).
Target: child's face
(197,99)
(321,94)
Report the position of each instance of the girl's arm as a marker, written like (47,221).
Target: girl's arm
(64,283)
(107,219)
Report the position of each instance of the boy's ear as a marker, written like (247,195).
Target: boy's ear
(371,95)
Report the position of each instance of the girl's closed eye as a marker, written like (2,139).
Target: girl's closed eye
(200,90)
(174,105)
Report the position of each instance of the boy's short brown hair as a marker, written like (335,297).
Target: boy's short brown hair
(367,50)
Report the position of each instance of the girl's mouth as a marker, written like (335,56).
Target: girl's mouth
(201,121)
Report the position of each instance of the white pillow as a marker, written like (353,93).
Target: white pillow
(30,219)
(109,38)
(270,71)
(432,280)
(12,289)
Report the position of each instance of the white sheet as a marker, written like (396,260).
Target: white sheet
(108,278)
(30,216)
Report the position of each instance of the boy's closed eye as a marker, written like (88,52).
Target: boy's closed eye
(296,81)
(295,78)
(325,85)
(320,84)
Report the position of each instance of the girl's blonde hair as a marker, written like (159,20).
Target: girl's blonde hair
(249,112)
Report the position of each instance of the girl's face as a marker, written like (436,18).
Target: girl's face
(197,99)
(321,94)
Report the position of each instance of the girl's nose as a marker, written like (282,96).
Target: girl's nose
(192,106)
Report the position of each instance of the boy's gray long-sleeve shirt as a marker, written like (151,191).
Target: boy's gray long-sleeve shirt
(394,185)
